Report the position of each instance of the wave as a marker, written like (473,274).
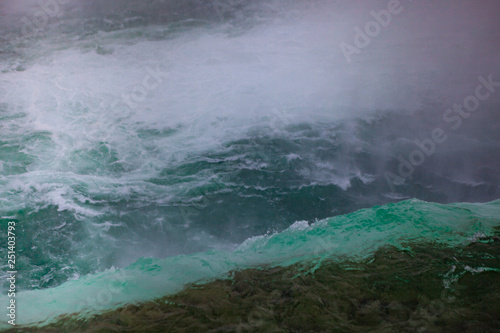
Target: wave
(136,137)
(349,237)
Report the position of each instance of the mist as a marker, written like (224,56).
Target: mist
(154,87)
(133,132)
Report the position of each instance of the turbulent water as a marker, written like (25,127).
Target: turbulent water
(146,146)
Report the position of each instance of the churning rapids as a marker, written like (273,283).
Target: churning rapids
(146,145)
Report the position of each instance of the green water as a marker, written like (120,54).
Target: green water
(353,238)
(145,146)
(426,287)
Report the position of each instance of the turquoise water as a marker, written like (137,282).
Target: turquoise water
(143,147)
(349,237)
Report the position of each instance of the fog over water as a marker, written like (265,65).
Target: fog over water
(156,129)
